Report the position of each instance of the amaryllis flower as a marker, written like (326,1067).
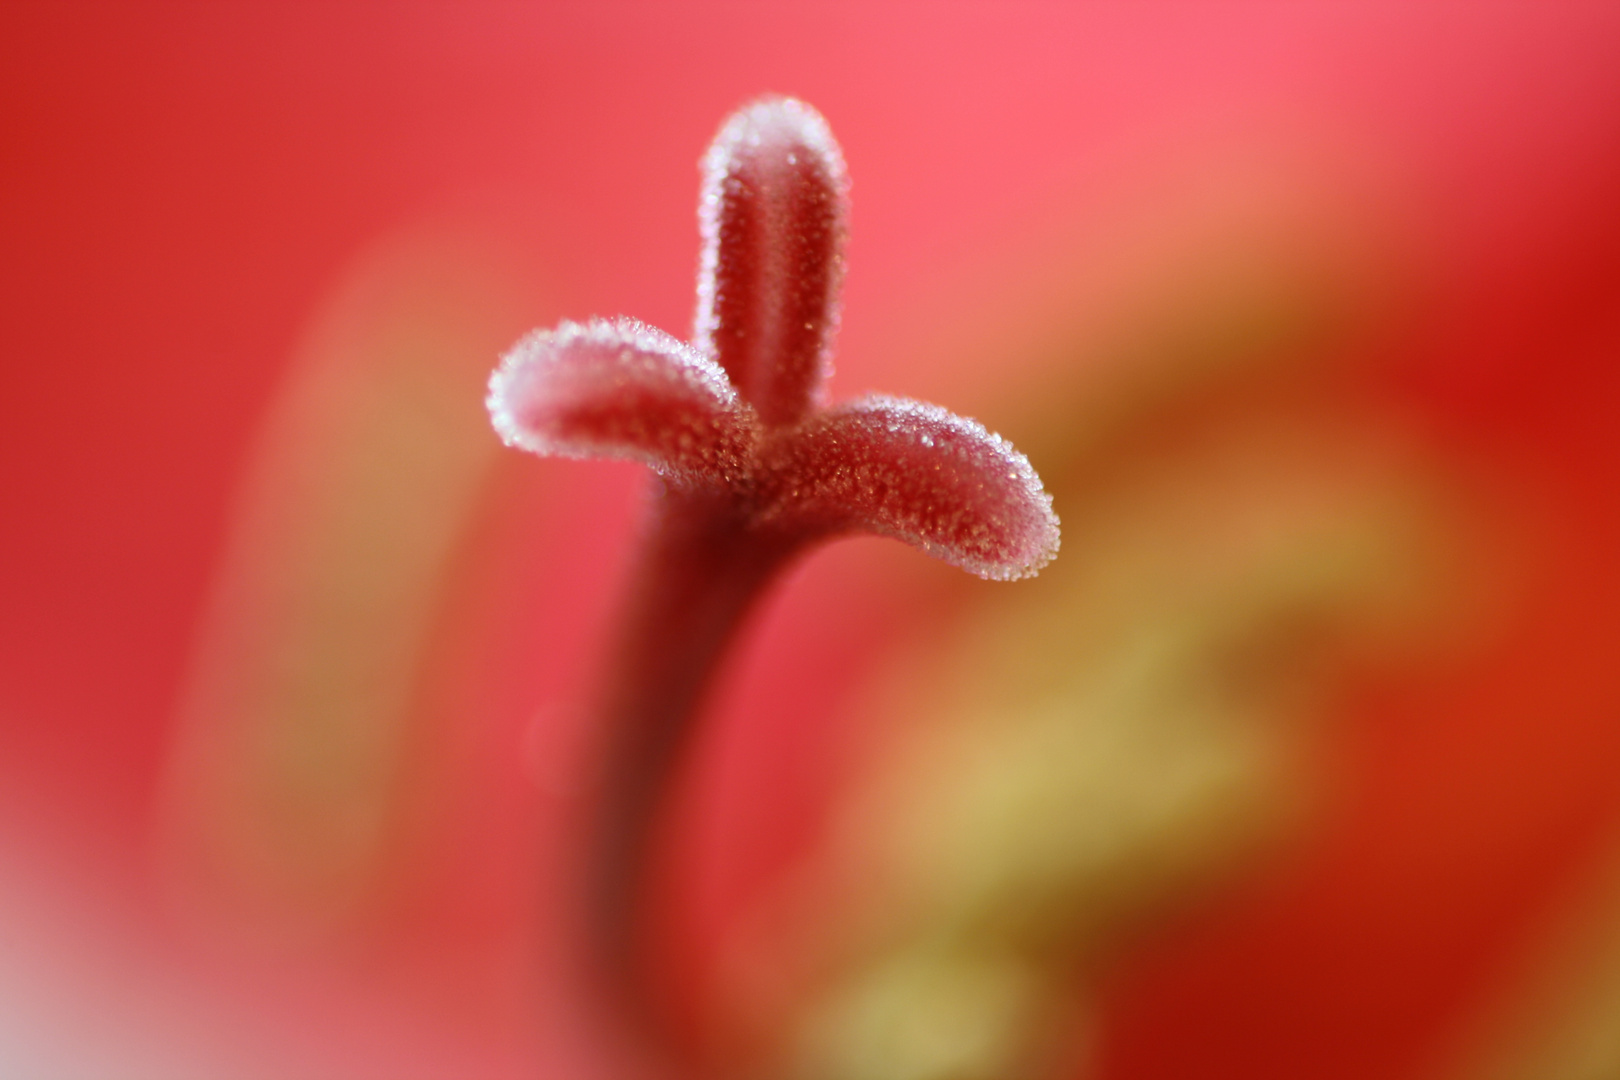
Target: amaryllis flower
(293,649)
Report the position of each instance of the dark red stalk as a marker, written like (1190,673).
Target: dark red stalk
(700,570)
(754,469)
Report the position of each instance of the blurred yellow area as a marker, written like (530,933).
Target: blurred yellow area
(308,760)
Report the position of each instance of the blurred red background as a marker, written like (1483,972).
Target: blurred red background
(185,188)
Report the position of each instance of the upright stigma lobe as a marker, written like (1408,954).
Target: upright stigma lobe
(773,218)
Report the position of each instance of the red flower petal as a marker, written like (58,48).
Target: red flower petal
(621,389)
(919,473)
